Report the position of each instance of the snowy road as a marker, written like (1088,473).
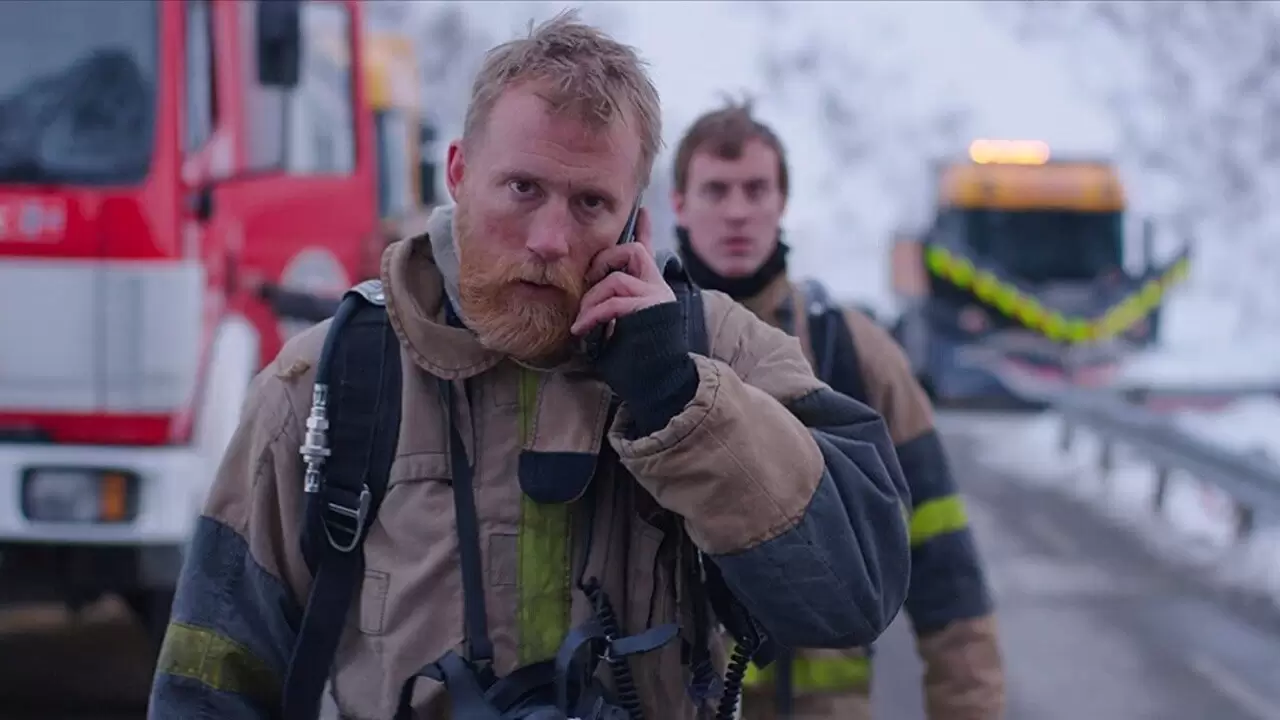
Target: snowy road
(1093,626)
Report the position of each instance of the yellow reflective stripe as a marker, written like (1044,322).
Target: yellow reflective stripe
(218,662)
(1006,299)
(543,547)
(937,259)
(817,674)
(985,285)
(937,517)
(962,271)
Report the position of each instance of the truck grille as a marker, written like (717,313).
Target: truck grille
(94,336)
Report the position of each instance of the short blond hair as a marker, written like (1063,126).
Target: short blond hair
(585,70)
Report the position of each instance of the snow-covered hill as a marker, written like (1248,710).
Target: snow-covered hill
(865,94)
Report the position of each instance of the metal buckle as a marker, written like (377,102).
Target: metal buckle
(348,520)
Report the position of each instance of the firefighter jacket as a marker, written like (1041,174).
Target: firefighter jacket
(794,491)
(948,601)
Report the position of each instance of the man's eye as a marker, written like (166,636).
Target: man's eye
(592,202)
(522,187)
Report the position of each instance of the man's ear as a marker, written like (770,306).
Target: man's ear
(455,168)
(644,229)
(677,203)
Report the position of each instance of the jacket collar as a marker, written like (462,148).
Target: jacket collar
(775,297)
(417,310)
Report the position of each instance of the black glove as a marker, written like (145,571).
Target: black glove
(647,364)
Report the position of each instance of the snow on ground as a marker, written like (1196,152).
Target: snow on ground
(1253,363)
(1205,342)
(1202,518)
(1251,424)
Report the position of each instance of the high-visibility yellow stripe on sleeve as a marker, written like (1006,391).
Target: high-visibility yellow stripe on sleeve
(817,674)
(543,550)
(218,662)
(937,517)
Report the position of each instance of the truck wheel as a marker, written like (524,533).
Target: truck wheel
(152,608)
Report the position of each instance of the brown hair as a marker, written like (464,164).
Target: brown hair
(725,132)
(586,71)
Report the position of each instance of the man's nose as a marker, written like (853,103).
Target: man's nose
(549,235)
(737,207)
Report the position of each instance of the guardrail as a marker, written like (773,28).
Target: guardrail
(1160,396)
(1252,480)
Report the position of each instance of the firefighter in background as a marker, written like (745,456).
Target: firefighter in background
(730,191)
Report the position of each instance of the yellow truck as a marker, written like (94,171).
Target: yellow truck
(1023,262)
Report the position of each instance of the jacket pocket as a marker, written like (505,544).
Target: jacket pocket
(373,601)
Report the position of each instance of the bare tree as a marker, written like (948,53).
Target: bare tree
(878,151)
(1194,87)
(450,47)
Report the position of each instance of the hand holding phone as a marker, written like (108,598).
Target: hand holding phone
(593,343)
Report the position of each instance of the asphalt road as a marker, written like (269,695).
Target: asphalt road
(94,665)
(1092,626)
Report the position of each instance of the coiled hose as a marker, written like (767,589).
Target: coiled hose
(736,673)
(628,696)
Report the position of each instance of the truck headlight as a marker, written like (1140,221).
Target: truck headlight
(79,495)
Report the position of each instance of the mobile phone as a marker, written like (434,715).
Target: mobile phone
(593,343)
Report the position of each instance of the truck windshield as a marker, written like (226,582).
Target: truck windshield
(1040,246)
(77,90)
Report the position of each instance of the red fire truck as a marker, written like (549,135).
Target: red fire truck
(152,155)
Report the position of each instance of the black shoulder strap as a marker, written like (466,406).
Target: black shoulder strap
(831,342)
(690,299)
(350,443)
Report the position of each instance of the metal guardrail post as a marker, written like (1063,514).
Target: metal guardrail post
(1250,478)
(1161,490)
(1244,522)
(1106,457)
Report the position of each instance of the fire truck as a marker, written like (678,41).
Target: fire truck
(1021,273)
(152,156)
(406,173)
(407,179)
